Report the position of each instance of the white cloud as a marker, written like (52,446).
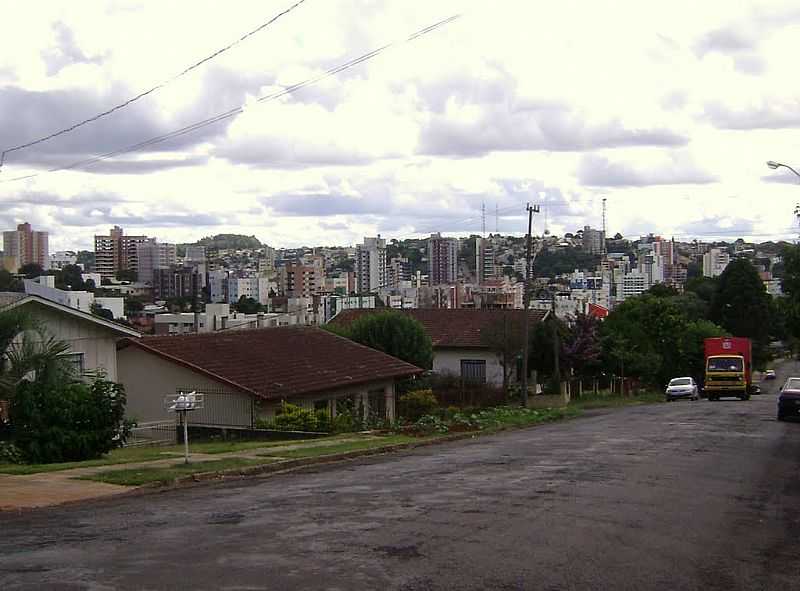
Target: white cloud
(670,112)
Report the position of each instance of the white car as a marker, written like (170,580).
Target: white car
(682,388)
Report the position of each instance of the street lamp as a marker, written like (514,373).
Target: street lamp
(775,165)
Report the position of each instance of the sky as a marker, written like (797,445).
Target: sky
(668,110)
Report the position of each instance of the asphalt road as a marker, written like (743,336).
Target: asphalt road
(688,495)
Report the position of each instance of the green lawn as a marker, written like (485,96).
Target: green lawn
(324,450)
(589,401)
(129,455)
(165,475)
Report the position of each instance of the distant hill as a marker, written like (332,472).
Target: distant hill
(229,241)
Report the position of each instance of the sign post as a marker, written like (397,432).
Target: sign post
(183,403)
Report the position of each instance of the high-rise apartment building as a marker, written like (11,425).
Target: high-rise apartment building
(24,246)
(175,282)
(301,281)
(152,255)
(442,260)
(593,240)
(485,268)
(715,261)
(116,252)
(399,273)
(371,269)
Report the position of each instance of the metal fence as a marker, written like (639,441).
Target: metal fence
(156,433)
(222,409)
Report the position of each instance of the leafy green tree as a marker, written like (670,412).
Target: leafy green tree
(394,333)
(661,290)
(247,305)
(70,278)
(127,275)
(9,283)
(741,305)
(704,287)
(62,420)
(580,349)
(28,351)
(504,337)
(31,270)
(654,339)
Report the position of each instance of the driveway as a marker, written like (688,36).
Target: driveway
(689,495)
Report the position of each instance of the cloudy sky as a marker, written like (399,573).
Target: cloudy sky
(667,109)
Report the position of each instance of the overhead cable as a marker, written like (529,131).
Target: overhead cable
(235,111)
(150,90)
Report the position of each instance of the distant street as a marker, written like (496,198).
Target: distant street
(675,496)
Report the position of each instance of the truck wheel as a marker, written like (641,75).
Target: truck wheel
(745,397)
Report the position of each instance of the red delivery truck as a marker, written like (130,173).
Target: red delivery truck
(728,363)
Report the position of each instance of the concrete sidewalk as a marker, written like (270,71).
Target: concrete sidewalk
(43,489)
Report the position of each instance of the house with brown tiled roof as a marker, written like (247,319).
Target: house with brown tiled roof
(246,375)
(463,339)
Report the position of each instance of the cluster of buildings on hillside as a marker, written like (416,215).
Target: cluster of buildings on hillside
(312,285)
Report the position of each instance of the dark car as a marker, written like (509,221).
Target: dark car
(789,399)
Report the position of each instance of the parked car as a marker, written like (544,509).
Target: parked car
(789,399)
(682,388)
(769,374)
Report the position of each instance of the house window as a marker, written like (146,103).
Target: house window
(473,370)
(74,361)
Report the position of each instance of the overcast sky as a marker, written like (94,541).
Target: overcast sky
(667,109)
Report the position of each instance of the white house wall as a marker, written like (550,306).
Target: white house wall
(97,343)
(448,361)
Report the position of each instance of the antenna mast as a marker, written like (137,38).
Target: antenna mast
(603,245)
(483,218)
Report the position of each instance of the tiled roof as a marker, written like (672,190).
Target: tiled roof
(450,328)
(278,362)
(9,297)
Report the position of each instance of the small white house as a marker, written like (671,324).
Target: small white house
(459,338)
(92,340)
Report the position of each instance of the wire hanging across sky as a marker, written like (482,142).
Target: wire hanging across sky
(150,90)
(233,112)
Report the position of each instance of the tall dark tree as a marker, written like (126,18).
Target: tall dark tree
(504,337)
(31,270)
(70,278)
(393,333)
(8,282)
(247,305)
(580,349)
(741,305)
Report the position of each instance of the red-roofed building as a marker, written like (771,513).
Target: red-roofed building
(247,374)
(461,337)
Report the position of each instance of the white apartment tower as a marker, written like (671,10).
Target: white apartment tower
(371,269)
(715,261)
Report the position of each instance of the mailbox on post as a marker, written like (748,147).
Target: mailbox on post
(182,403)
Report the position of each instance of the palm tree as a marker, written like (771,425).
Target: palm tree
(27,350)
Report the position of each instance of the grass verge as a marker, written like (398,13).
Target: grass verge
(130,455)
(165,475)
(590,401)
(326,450)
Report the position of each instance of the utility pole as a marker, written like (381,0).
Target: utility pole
(526,301)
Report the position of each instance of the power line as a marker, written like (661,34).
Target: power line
(232,112)
(150,90)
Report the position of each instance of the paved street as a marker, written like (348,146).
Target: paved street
(675,496)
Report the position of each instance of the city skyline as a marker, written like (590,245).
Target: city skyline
(495,109)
